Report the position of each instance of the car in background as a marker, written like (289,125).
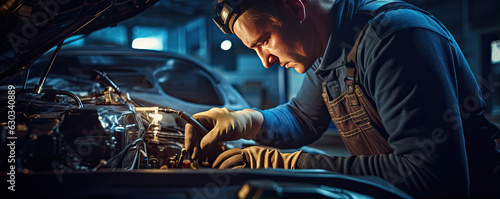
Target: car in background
(151,78)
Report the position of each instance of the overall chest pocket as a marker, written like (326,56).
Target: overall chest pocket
(354,123)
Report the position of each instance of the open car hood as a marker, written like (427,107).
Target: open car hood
(30,28)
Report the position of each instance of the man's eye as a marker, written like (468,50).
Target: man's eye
(262,44)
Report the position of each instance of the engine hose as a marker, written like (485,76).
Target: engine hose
(197,125)
(72,95)
(57,92)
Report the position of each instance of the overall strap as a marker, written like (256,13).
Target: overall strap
(352,65)
(361,97)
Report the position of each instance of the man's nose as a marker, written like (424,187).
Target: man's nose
(266,58)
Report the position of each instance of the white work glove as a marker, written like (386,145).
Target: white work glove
(222,125)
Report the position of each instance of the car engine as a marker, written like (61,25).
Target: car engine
(104,129)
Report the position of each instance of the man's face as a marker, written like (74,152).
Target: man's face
(284,41)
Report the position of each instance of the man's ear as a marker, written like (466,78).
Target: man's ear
(298,8)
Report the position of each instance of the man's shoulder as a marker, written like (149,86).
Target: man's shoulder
(389,22)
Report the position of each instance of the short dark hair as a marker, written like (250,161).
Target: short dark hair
(259,10)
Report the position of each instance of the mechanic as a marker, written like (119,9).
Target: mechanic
(388,74)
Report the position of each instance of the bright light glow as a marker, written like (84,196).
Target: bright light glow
(150,43)
(156,117)
(495,52)
(226,45)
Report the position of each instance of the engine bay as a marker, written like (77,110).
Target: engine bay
(60,131)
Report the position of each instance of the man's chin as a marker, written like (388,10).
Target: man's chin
(300,69)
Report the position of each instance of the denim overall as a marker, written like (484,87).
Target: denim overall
(356,119)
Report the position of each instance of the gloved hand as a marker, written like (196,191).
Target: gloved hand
(223,125)
(255,157)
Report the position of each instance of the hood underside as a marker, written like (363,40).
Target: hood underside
(29,28)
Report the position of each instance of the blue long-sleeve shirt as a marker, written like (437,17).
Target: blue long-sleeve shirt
(430,104)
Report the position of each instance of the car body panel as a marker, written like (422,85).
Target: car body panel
(141,76)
